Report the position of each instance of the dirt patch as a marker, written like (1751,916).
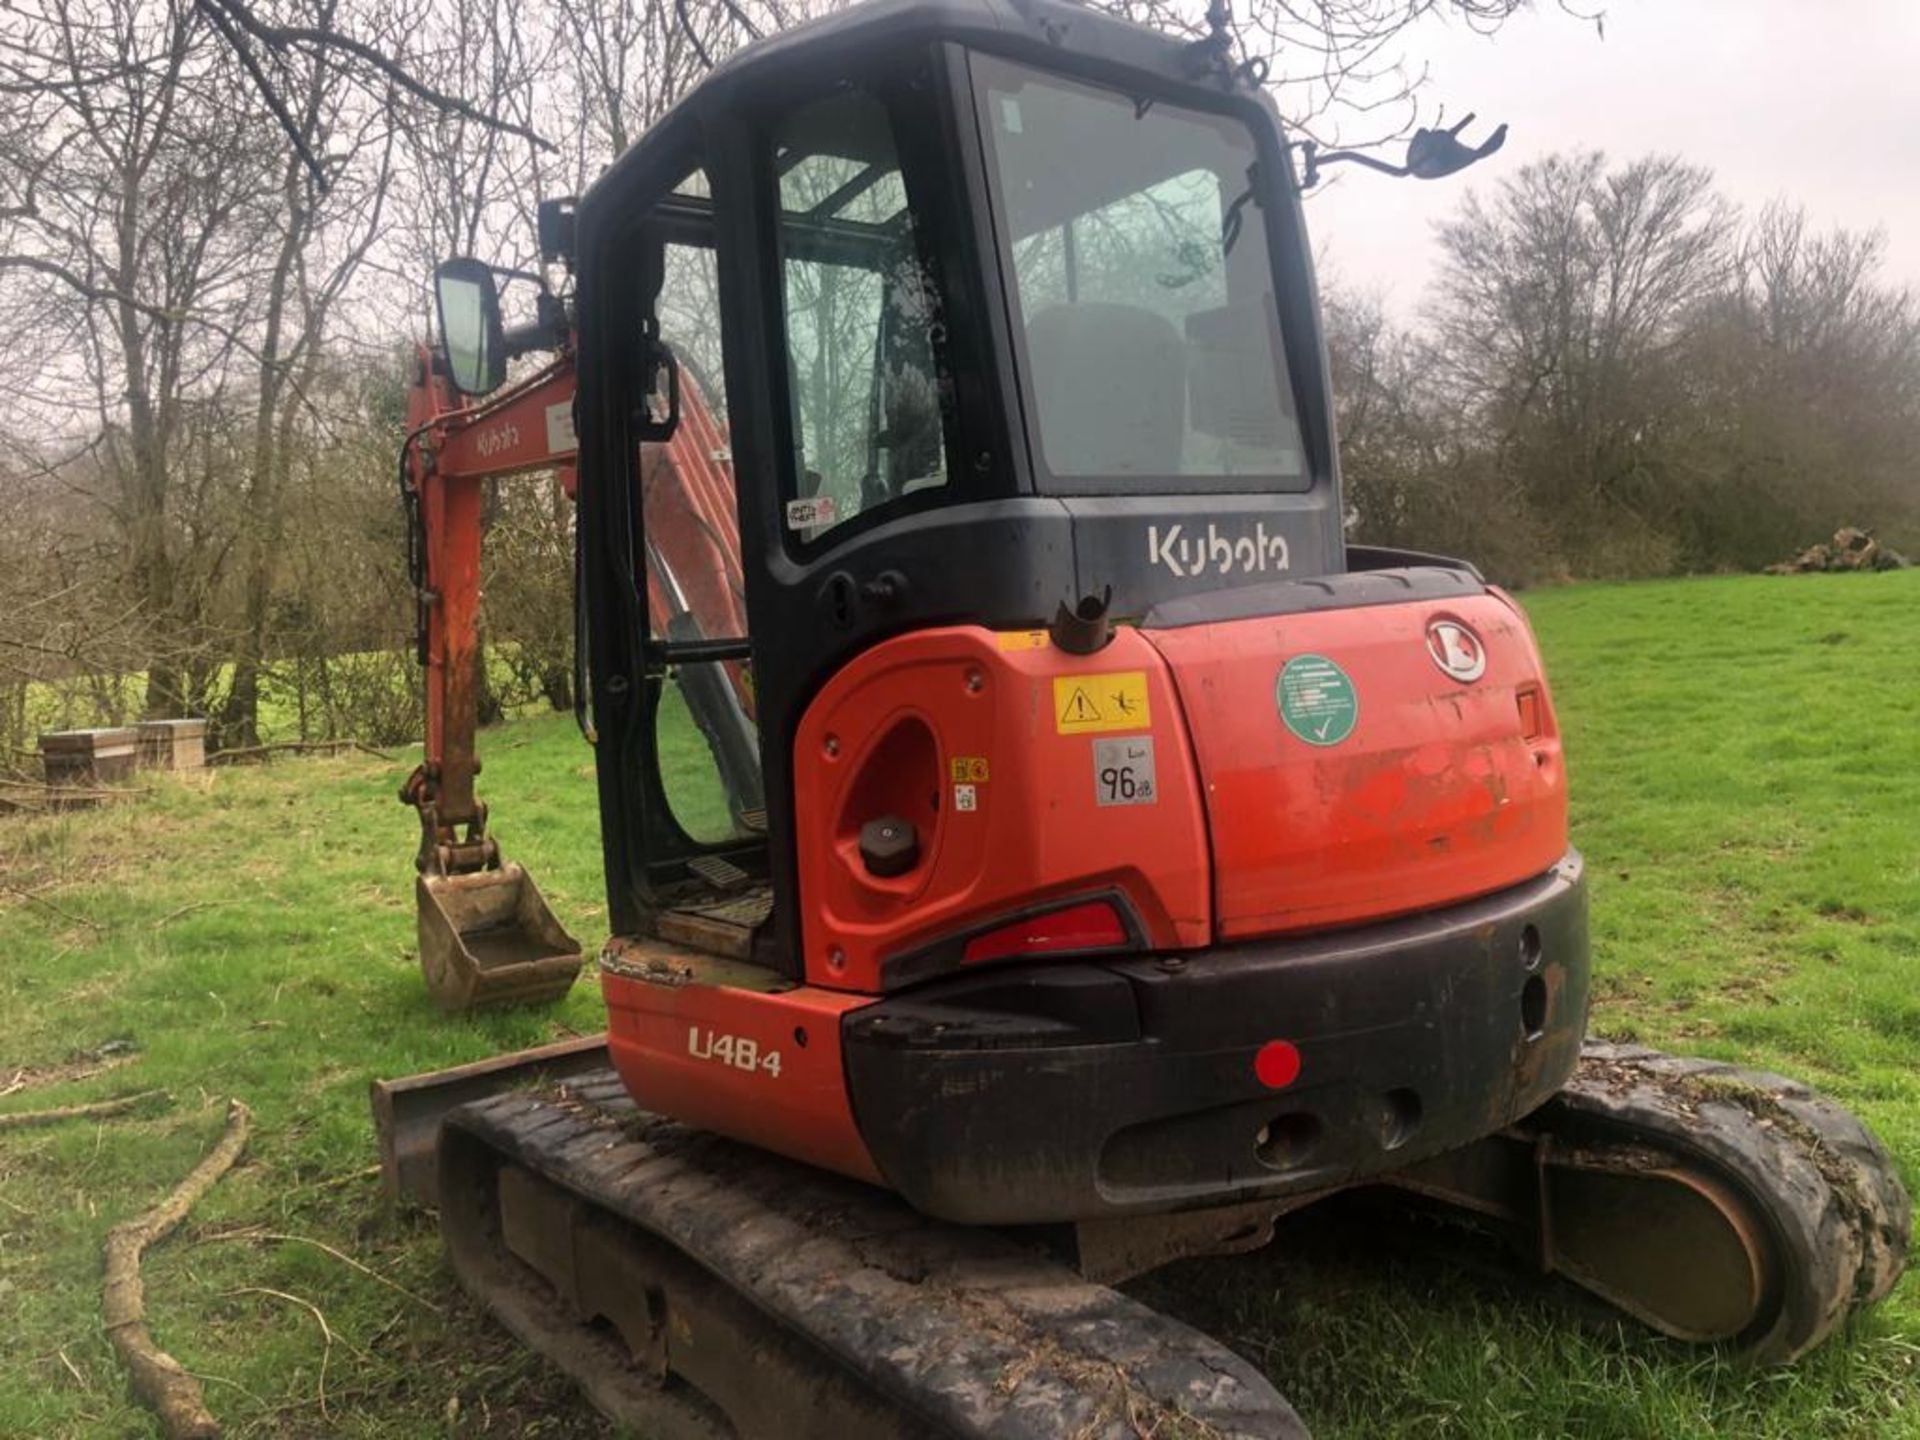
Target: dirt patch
(1846,914)
(1850,549)
(81,1065)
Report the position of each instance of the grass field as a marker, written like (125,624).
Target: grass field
(1746,762)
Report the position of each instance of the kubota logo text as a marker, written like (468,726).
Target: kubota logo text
(1214,552)
(491,441)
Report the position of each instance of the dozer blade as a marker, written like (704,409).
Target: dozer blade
(695,1287)
(488,939)
(1712,1203)
(408,1112)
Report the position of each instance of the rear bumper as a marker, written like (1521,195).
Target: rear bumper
(1036,1093)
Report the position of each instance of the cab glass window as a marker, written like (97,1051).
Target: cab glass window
(1137,262)
(706,739)
(864,317)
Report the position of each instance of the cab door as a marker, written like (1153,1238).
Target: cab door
(887,498)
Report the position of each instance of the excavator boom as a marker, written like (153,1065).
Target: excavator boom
(487,936)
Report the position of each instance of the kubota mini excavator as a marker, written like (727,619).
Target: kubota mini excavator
(1101,857)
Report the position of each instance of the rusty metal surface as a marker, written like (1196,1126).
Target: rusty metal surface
(1675,1249)
(1115,1250)
(489,939)
(723,926)
(407,1111)
(655,962)
(799,1303)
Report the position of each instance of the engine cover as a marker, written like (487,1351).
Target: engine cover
(1373,745)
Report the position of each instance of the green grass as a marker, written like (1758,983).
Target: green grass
(1746,763)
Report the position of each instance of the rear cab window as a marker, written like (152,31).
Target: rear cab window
(1138,271)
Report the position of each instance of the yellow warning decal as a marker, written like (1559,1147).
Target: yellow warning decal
(969,769)
(1022,639)
(1084,704)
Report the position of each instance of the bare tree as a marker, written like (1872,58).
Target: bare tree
(130,226)
(1562,308)
(325,229)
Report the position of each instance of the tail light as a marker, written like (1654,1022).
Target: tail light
(1084,925)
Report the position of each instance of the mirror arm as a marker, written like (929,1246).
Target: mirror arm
(526,339)
(1316,157)
(1422,160)
(550,330)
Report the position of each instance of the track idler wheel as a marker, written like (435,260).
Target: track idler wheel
(1714,1204)
(1719,1203)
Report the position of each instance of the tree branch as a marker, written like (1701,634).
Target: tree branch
(279,37)
(212,11)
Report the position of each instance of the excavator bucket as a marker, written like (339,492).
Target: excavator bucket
(488,939)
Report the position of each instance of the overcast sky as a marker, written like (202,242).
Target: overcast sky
(1815,100)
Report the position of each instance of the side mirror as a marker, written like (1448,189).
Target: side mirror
(1432,154)
(468,298)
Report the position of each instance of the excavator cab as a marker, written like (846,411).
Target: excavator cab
(1029,665)
(999,328)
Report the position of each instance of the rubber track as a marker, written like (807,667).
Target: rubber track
(977,1335)
(1839,1218)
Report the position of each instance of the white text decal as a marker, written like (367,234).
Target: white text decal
(1216,553)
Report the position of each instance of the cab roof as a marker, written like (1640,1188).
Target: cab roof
(1055,34)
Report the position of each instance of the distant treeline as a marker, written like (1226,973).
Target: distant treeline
(1617,373)
(210,275)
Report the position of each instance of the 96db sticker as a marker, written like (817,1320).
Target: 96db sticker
(1123,771)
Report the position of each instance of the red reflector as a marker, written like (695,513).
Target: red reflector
(1090,925)
(1277,1065)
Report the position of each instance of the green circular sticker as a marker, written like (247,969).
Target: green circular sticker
(1317,700)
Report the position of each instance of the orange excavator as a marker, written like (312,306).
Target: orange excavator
(1038,845)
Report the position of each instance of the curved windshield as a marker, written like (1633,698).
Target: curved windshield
(1142,287)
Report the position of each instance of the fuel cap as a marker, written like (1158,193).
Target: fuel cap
(889,846)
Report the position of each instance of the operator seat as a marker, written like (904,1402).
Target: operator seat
(1110,384)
